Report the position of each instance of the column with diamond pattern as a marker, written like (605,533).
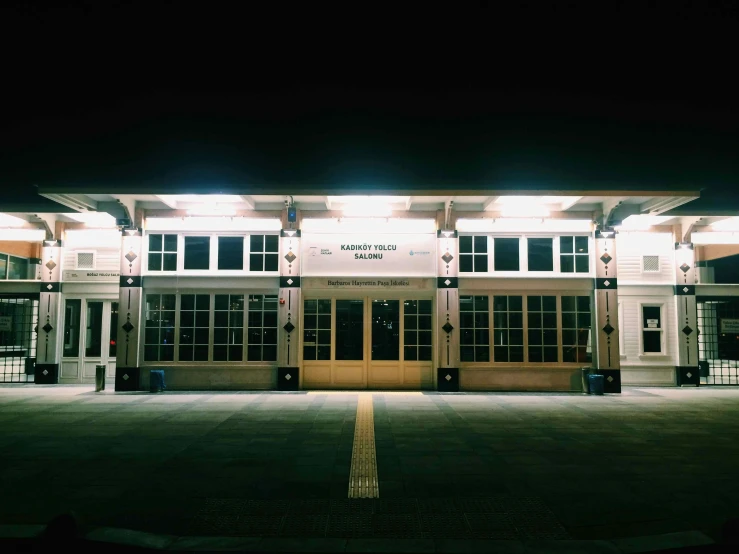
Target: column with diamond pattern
(50,326)
(447,311)
(289,312)
(687,316)
(608,358)
(130,296)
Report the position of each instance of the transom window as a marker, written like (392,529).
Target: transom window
(162,252)
(473,254)
(573,255)
(263,251)
(506,254)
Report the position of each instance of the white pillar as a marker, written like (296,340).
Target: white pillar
(130,297)
(447,311)
(50,320)
(687,316)
(289,315)
(608,358)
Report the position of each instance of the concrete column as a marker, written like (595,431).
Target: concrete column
(447,311)
(608,358)
(687,316)
(289,320)
(50,315)
(130,298)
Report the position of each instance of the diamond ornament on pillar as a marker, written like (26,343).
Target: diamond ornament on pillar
(51,264)
(685,267)
(289,327)
(687,330)
(448,327)
(606,258)
(47,328)
(290,256)
(447,257)
(131,256)
(608,329)
(127,327)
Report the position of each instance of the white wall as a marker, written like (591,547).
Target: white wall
(631,246)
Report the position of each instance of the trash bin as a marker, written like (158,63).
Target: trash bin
(585,384)
(99,378)
(596,383)
(156,380)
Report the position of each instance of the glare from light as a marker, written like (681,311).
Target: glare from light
(523,225)
(27,235)
(97,219)
(212,224)
(717,237)
(213,210)
(641,222)
(203,198)
(524,211)
(11,221)
(367,206)
(363,224)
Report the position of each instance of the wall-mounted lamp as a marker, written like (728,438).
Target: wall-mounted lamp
(685,245)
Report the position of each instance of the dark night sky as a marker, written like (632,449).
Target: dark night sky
(125,94)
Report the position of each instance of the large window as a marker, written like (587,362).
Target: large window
(540,254)
(262,330)
(542,328)
(159,336)
(230,253)
(651,329)
(474,323)
(13,267)
(576,322)
(162,252)
(263,251)
(194,327)
(506,255)
(417,334)
(197,253)
(508,328)
(473,254)
(317,329)
(228,328)
(573,255)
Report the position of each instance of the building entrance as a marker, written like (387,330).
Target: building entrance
(90,327)
(368,343)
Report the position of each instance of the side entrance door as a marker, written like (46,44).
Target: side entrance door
(90,327)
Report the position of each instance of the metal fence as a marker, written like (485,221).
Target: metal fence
(18,337)
(718,340)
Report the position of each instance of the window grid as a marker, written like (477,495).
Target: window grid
(474,318)
(317,329)
(542,329)
(159,335)
(573,254)
(473,254)
(262,330)
(228,328)
(194,327)
(162,252)
(576,325)
(417,330)
(508,328)
(263,251)
(651,329)
(19,343)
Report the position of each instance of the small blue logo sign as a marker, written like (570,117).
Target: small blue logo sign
(411,252)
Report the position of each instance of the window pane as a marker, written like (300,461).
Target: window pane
(582,264)
(155,262)
(506,254)
(170,243)
(256,243)
(230,252)
(540,256)
(481,264)
(72,311)
(651,317)
(169,262)
(385,329)
(568,303)
(270,262)
(3,266)
(581,245)
(567,264)
(566,245)
(197,252)
(465,245)
(155,243)
(256,262)
(271,243)
(465,264)
(481,244)
(652,341)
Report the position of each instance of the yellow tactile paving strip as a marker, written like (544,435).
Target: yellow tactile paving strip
(399,392)
(363,475)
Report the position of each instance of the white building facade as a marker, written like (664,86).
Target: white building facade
(435,292)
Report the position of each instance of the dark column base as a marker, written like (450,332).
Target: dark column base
(127,379)
(46,374)
(612,385)
(447,379)
(288,378)
(688,375)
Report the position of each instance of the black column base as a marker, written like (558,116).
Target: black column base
(447,379)
(611,380)
(46,374)
(127,379)
(688,375)
(288,378)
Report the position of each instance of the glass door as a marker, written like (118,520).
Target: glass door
(90,328)
(386,330)
(349,330)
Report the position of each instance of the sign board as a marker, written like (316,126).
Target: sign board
(72,275)
(6,323)
(368,283)
(652,323)
(729,325)
(367,255)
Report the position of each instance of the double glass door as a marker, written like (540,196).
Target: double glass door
(368,342)
(90,328)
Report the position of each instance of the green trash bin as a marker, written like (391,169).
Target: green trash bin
(99,378)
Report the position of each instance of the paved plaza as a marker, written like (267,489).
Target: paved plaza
(460,467)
